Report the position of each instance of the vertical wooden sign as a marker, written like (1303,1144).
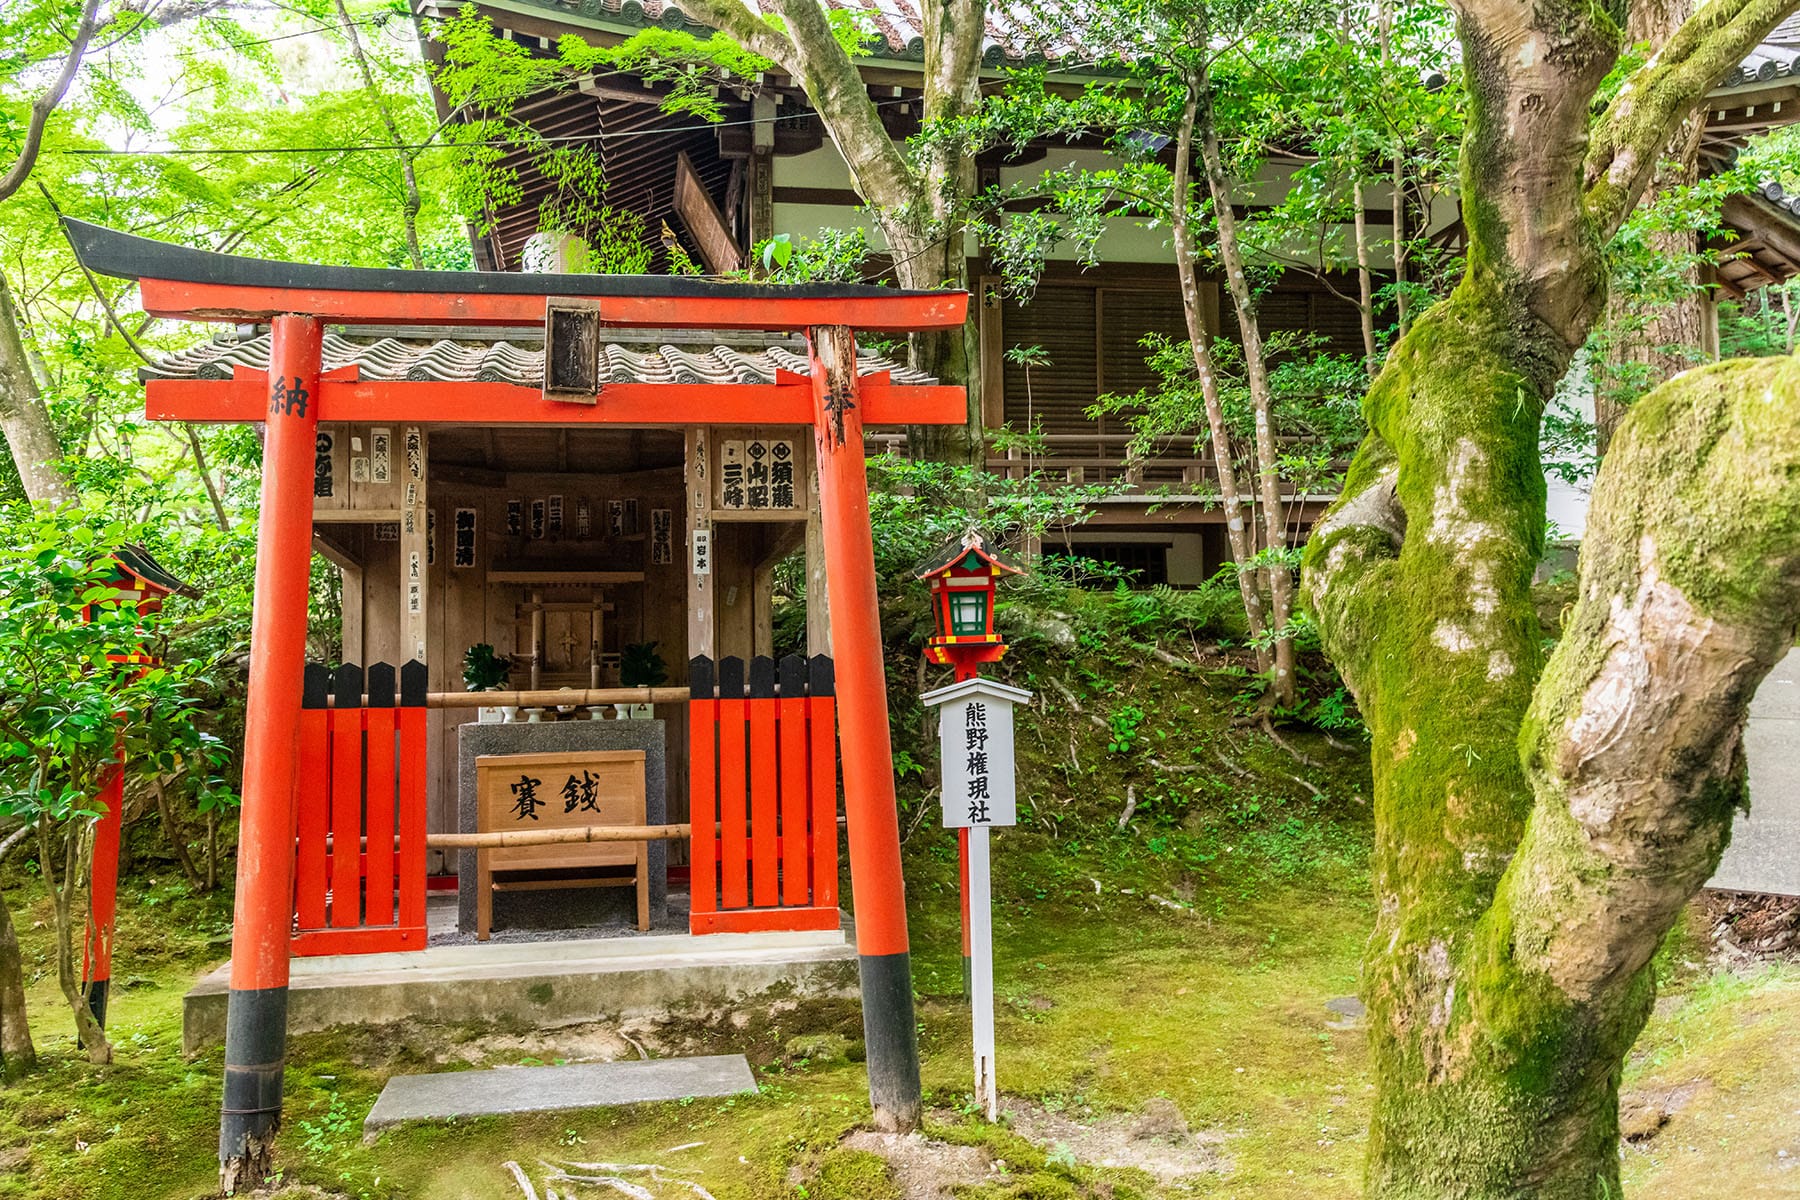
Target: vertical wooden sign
(975,742)
(414,544)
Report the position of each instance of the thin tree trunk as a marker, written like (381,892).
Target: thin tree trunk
(212,489)
(17,1054)
(1280,576)
(1237,531)
(409,208)
(24,418)
(1659,337)
(177,839)
(1365,280)
(948,355)
(62,896)
(212,849)
(1396,176)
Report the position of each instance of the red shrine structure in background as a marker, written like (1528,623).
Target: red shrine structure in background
(296,393)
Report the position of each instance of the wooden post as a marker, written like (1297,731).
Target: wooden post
(702,628)
(537,638)
(256,1013)
(889,1030)
(979,936)
(762,175)
(818,595)
(103,890)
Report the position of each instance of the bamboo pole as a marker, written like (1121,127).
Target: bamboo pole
(572,698)
(556,837)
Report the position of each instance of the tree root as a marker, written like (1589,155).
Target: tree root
(1318,792)
(1173,660)
(1175,768)
(1130,806)
(1295,754)
(1066,692)
(1229,765)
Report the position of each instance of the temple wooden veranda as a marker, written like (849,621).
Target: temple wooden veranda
(621,485)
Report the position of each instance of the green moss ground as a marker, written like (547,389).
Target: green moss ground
(1230,909)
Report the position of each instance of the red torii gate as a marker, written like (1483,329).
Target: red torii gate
(293,396)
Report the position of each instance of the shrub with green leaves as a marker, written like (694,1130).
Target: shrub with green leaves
(68,711)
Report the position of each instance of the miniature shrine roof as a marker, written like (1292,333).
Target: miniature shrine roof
(952,551)
(141,563)
(516,359)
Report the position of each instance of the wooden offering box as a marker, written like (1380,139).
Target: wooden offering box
(571,790)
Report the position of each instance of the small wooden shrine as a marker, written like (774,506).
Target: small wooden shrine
(572,502)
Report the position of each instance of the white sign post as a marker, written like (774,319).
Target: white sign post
(975,737)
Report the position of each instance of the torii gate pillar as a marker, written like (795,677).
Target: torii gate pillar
(256,1014)
(877,886)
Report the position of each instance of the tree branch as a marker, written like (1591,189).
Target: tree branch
(1346,571)
(44,105)
(1662,93)
(838,93)
(737,22)
(1690,589)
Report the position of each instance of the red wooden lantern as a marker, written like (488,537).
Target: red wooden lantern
(963,576)
(137,577)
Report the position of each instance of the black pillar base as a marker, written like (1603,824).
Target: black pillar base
(891,1036)
(96,998)
(255,1053)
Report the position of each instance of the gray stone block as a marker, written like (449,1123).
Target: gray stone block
(555,1089)
(562,908)
(1764,855)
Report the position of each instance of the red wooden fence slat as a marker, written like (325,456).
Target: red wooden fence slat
(411,811)
(312,816)
(734,891)
(765,812)
(346,817)
(378,900)
(795,870)
(703,804)
(822,733)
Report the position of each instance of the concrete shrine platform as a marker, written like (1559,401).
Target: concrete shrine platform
(540,978)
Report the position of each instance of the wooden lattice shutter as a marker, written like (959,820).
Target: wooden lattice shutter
(1063,321)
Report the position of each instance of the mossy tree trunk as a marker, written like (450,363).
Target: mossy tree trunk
(1538,828)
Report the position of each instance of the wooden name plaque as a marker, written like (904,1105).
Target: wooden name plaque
(563,790)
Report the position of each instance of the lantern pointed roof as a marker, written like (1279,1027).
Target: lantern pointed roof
(957,550)
(141,565)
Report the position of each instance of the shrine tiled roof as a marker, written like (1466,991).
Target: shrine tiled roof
(517,360)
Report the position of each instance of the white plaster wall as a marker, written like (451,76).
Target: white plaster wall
(1566,503)
(1123,242)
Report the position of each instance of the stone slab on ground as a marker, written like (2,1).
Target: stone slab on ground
(508,1090)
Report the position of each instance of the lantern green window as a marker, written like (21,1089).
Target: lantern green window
(968,613)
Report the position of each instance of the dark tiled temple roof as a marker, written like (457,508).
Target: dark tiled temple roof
(1778,57)
(1015,34)
(516,360)
(1019,34)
